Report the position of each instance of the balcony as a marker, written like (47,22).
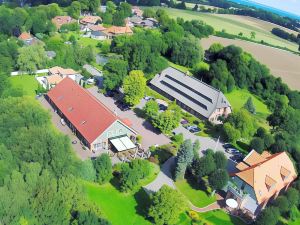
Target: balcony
(236,191)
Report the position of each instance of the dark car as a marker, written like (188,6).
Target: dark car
(123,106)
(110,93)
(162,107)
(237,158)
(195,130)
(227,145)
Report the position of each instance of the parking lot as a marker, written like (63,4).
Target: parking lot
(150,136)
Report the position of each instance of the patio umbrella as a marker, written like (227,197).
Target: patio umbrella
(231,203)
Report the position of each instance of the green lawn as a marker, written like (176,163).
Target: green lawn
(27,83)
(178,67)
(194,194)
(232,26)
(121,208)
(238,98)
(117,207)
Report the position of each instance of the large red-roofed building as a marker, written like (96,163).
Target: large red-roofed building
(88,118)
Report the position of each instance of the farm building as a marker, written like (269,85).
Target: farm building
(93,123)
(193,95)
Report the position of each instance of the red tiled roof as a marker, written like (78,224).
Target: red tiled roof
(88,115)
(25,36)
(58,21)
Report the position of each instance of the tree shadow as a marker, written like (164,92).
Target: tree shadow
(143,202)
(115,182)
(197,184)
(150,127)
(139,113)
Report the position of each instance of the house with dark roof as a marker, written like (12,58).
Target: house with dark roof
(193,95)
(259,179)
(95,125)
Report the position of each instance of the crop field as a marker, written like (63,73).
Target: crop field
(282,63)
(233,24)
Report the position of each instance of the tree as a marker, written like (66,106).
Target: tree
(269,216)
(94,5)
(203,166)
(166,121)
(114,72)
(103,168)
(148,13)
(87,170)
(134,87)
(110,7)
(151,109)
(4,83)
(249,106)
(218,179)
(166,206)
(231,133)
(184,158)
(118,19)
(220,160)
(257,144)
(282,204)
(196,148)
(293,197)
(252,34)
(32,58)
(125,9)
(74,9)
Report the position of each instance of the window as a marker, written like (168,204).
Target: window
(120,131)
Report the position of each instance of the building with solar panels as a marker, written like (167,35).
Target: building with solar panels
(193,95)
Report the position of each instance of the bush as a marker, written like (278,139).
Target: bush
(69,27)
(194,216)
(103,168)
(87,170)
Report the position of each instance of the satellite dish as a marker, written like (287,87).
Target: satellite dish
(232,203)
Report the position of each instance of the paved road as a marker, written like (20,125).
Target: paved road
(163,178)
(150,135)
(92,70)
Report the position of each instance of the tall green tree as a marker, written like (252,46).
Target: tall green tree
(32,58)
(114,73)
(74,9)
(151,109)
(103,168)
(166,206)
(134,87)
(184,158)
(249,106)
(218,179)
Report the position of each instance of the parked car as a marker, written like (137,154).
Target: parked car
(90,81)
(147,98)
(110,93)
(195,130)
(228,145)
(184,122)
(162,107)
(237,158)
(191,127)
(123,106)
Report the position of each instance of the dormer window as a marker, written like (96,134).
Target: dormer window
(270,183)
(285,173)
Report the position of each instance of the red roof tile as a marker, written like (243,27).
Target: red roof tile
(88,115)
(25,36)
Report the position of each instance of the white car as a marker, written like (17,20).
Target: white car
(90,81)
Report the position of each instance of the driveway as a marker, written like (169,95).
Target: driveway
(206,143)
(150,135)
(92,70)
(163,178)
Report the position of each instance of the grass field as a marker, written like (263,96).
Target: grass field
(234,25)
(27,83)
(195,195)
(238,98)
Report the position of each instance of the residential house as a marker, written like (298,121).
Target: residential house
(137,11)
(136,21)
(259,180)
(92,122)
(50,54)
(96,32)
(193,95)
(88,21)
(58,21)
(28,39)
(116,31)
(57,74)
